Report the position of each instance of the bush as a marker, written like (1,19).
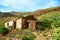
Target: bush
(3,30)
(56,23)
(44,24)
(40,27)
(56,29)
(56,34)
(27,35)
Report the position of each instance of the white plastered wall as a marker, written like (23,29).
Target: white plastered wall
(11,23)
(19,24)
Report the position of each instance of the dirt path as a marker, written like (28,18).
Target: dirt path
(40,36)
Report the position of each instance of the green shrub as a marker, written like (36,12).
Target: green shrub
(40,27)
(3,30)
(56,29)
(56,23)
(27,35)
(56,34)
(44,24)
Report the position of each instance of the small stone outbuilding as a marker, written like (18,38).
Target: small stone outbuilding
(23,23)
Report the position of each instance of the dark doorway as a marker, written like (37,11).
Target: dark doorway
(27,24)
(14,24)
(7,24)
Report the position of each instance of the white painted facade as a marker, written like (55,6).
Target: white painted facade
(10,23)
(19,23)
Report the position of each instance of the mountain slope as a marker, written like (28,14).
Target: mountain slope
(44,11)
(35,13)
(2,15)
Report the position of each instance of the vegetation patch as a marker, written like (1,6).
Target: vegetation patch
(3,31)
(27,35)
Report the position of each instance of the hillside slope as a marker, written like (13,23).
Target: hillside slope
(14,14)
(2,15)
(44,11)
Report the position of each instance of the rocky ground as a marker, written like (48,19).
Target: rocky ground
(15,35)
